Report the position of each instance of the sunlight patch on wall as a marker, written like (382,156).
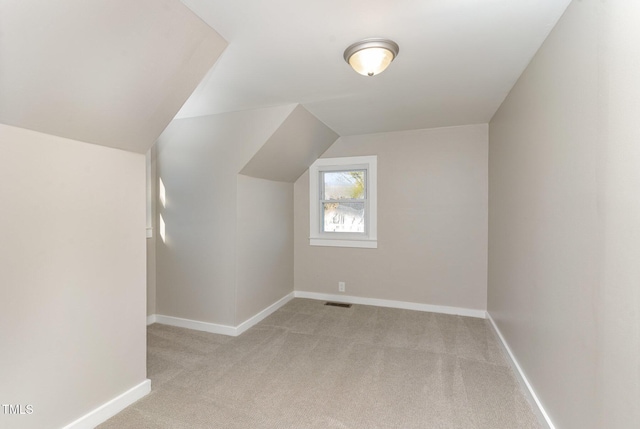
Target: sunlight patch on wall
(162,230)
(162,193)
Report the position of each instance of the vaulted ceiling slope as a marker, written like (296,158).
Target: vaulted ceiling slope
(458,58)
(108,72)
(293,147)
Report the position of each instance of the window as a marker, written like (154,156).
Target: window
(343,202)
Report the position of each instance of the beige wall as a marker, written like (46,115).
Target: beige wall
(152,199)
(619,102)
(432,221)
(265,244)
(564,238)
(198,160)
(72,276)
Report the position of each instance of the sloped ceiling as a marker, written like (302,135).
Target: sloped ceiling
(458,58)
(115,72)
(108,72)
(289,152)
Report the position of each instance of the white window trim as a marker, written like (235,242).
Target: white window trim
(367,240)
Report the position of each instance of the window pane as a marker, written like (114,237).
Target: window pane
(339,185)
(343,217)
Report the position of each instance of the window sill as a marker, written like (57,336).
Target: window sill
(330,242)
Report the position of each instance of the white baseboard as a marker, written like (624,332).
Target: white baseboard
(237,330)
(458,311)
(542,413)
(215,328)
(111,408)
(263,314)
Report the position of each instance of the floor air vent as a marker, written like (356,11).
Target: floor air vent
(337,304)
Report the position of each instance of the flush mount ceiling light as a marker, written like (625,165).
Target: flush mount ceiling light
(370,57)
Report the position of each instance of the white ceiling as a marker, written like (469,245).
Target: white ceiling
(458,58)
(115,72)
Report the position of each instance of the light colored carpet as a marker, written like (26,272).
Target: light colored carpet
(313,366)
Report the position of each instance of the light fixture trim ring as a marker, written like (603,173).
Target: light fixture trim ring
(387,44)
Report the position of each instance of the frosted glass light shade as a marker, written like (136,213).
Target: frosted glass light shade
(371,56)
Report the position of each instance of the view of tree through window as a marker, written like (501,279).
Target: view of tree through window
(343,201)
